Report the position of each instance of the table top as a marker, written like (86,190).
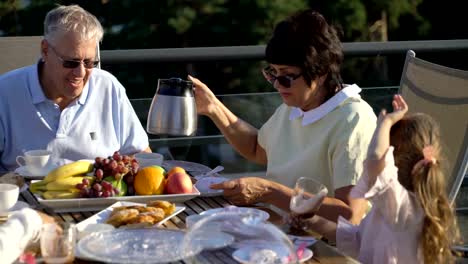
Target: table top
(323,253)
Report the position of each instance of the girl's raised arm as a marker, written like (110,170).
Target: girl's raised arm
(380,142)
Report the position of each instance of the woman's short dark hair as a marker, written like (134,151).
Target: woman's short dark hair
(306,40)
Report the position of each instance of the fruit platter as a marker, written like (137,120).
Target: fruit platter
(87,186)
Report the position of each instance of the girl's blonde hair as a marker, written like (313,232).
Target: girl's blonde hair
(410,136)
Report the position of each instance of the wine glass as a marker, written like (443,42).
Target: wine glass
(58,242)
(307,197)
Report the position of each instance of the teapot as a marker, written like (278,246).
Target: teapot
(173,110)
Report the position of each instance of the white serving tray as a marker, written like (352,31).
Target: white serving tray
(102,216)
(97,204)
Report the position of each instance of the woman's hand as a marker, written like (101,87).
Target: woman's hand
(205,99)
(245,191)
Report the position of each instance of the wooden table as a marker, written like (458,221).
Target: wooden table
(323,253)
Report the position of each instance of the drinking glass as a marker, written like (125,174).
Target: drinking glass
(58,242)
(307,197)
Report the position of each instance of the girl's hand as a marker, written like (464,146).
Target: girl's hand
(244,191)
(399,110)
(204,98)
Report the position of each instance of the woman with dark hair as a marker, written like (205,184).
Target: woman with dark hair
(322,129)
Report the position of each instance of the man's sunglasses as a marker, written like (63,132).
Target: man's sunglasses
(284,80)
(72,64)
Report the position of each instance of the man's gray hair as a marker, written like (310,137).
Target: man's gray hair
(72,18)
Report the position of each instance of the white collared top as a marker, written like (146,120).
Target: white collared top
(328,144)
(319,112)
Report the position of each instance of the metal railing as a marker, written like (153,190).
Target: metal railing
(352,49)
(195,54)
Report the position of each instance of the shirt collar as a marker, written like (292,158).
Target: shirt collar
(37,94)
(319,112)
(84,94)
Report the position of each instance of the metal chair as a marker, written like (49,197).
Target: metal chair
(16,52)
(441,92)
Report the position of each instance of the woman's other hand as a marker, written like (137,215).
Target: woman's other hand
(245,191)
(205,99)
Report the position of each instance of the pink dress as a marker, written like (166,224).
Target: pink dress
(390,232)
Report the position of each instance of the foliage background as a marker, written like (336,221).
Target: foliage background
(141,24)
(145,24)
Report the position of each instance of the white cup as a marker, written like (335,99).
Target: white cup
(146,159)
(8,196)
(35,160)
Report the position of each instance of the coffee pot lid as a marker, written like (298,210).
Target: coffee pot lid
(175,87)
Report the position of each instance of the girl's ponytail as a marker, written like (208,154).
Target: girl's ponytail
(416,139)
(440,230)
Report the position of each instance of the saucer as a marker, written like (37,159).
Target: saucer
(18,206)
(203,185)
(244,255)
(24,171)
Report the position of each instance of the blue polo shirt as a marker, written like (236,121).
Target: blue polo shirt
(98,123)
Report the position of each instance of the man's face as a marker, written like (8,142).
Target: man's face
(62,79)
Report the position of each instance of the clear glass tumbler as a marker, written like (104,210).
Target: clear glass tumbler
(58,242)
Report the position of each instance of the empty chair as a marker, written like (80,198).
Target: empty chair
(441,92)
(17,52)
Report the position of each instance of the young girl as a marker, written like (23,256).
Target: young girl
(411,220)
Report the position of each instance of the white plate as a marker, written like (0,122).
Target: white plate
(203,185)
(262,215)
(102,216)
(191,167)
(96,204)
(18,206)
(151,245)
(244,254)
(24,171)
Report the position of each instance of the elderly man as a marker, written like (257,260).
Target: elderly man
(63,103)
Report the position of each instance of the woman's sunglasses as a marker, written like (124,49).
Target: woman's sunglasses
(72,64)
(284,80)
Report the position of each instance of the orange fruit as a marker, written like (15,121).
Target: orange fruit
(149,181)
(175,170)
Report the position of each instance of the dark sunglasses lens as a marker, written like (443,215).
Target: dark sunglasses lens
(284,81)
(70,64)
(91,64)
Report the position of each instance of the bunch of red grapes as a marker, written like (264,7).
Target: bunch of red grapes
(121,167)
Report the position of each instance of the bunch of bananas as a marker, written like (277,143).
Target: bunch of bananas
(61,182)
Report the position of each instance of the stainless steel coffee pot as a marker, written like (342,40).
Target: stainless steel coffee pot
(173,110)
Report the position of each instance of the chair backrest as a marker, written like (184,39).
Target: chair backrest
(16,52)
(441,92)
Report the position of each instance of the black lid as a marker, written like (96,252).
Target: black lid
(175,87)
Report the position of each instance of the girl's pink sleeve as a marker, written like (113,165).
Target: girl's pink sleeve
(396,204)
(348,237)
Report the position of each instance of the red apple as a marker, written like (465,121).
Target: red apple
(178,182)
